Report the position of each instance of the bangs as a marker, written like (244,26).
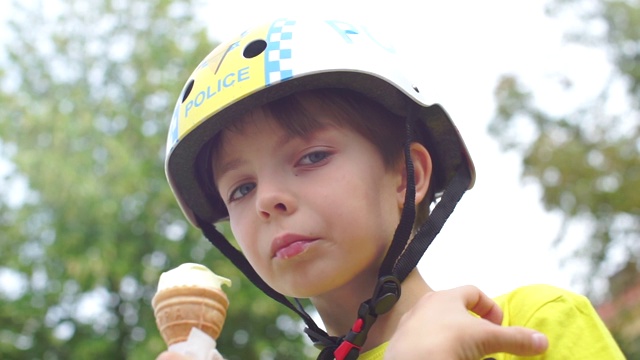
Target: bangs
(305,112)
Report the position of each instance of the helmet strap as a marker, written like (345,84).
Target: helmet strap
(403,255)
(238,259)
(431,228)
(407,218)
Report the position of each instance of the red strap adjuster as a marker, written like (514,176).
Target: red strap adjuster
(346,347)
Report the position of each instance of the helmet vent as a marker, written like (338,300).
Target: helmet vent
(187,90)
(254,49)
(415,88)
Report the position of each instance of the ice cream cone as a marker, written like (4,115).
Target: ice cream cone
(179,309)
(186,299)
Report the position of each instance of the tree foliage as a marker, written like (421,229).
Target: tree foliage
(587,159)
(87,221)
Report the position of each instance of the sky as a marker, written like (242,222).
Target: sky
(499,237)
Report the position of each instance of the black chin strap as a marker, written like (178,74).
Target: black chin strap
(431,228)
(240,261)
(402,257)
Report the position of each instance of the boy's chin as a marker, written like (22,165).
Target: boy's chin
(298,292)
(305,290)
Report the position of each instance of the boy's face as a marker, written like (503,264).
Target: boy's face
(312,214)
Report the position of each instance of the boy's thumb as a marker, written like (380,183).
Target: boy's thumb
(517,341)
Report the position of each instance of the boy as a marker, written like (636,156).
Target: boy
(325,159)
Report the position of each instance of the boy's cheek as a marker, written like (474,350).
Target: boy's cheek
(241,234)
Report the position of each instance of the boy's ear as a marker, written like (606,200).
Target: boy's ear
(422,168)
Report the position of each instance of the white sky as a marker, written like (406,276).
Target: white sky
(499,237)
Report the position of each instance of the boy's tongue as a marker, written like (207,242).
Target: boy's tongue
(293,249)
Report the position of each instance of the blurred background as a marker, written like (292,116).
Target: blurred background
(546,94)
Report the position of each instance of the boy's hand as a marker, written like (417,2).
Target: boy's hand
(440,327)
(168,355)
(171,355)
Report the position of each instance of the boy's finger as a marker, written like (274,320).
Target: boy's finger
(517,341)
(481,304)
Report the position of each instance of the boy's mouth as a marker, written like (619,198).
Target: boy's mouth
(287,245)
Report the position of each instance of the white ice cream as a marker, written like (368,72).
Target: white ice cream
(191,274)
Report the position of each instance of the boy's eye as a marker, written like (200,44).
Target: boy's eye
(241,191)
(314,157)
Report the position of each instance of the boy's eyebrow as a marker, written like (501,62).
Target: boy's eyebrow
(237,162)
(226,167)
(284,139)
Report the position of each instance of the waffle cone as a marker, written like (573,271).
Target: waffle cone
(179,309)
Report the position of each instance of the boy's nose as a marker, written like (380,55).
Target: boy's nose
(274,202)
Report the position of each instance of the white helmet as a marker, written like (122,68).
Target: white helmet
(282,57)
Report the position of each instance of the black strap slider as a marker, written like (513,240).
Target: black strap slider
(386,294)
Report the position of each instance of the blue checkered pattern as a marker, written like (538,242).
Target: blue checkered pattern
(278,65)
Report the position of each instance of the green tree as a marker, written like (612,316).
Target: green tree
(587,160)
(87,221)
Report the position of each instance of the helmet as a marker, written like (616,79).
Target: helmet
(286,56)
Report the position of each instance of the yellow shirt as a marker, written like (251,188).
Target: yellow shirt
(569,321)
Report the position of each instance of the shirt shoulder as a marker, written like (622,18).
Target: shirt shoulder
(574,329)
(525,302)
(376,353)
